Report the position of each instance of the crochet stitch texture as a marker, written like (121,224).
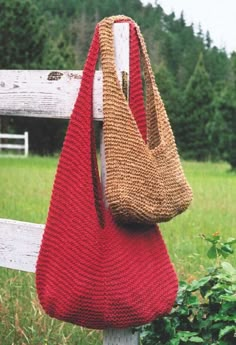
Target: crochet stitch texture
(145,180)
(92,271)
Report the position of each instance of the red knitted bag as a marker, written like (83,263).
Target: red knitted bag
(90,270)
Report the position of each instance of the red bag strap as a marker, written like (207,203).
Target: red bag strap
(80,129)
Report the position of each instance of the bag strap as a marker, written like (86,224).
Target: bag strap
(154,103)
(82,113)
(85,94)
(136,99)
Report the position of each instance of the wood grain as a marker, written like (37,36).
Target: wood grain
(44,93)
(19,244)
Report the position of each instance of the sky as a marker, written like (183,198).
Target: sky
(217,16)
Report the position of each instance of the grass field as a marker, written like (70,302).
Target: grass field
(25,186)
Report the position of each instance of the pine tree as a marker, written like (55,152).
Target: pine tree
(22,37)
(208,40)
(226,109)
(233,64)
(22,34)
(57,33)
(170,94)
(197,115)
(59,54)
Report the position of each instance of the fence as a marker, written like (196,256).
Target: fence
(24,146)
(52,94)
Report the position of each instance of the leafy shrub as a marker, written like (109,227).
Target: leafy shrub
(205,309)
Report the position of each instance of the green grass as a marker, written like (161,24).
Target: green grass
(213,209)
(25,186)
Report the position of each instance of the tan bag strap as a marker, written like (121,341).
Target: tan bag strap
(154,103)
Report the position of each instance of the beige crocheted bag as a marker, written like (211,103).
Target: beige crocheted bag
(145,182)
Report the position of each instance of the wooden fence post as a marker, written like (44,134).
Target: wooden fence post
(26,150)
(121,41)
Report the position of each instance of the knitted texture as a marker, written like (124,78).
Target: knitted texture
(145,182)
(92,271)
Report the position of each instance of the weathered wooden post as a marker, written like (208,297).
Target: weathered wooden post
(121,41)
(51,94)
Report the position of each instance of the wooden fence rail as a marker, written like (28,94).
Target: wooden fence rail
(44,93)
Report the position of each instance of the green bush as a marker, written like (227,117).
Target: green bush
(205,309)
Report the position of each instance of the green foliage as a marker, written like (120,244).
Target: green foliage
(197,114)
(233,65)
(226,111)
(205,309)
(217,64)
(22,34)
(59,53)
(56,34)
(170,94)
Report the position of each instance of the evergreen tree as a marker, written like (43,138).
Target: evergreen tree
(170,94)
(197,115)
(217,64)
(233,67)
(59,54)
(22,34)
(226,109)
(56,34)
(208,40)
(223,130)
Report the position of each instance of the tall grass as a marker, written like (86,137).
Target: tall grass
(213,209)
(25,187)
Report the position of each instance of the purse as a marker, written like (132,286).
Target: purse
(92,271)
(145,180)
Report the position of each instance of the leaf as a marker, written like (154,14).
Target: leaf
(212,252)
(228,298)
(208,294)
(228,267)
(174,341)
(217,325)
(192,300)
(196,284)
(220,317)
(185,335)
(227,248)
(223,253)
(218,286)
(228,308)
(196,340)
(183,311)
(182,284)
(226,330)
(231,240)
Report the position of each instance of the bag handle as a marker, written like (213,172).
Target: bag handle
(85,94)
(82,113)
(154,103)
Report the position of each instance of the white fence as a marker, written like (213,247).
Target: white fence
(7,146)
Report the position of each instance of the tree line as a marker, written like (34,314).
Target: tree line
(196,79)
